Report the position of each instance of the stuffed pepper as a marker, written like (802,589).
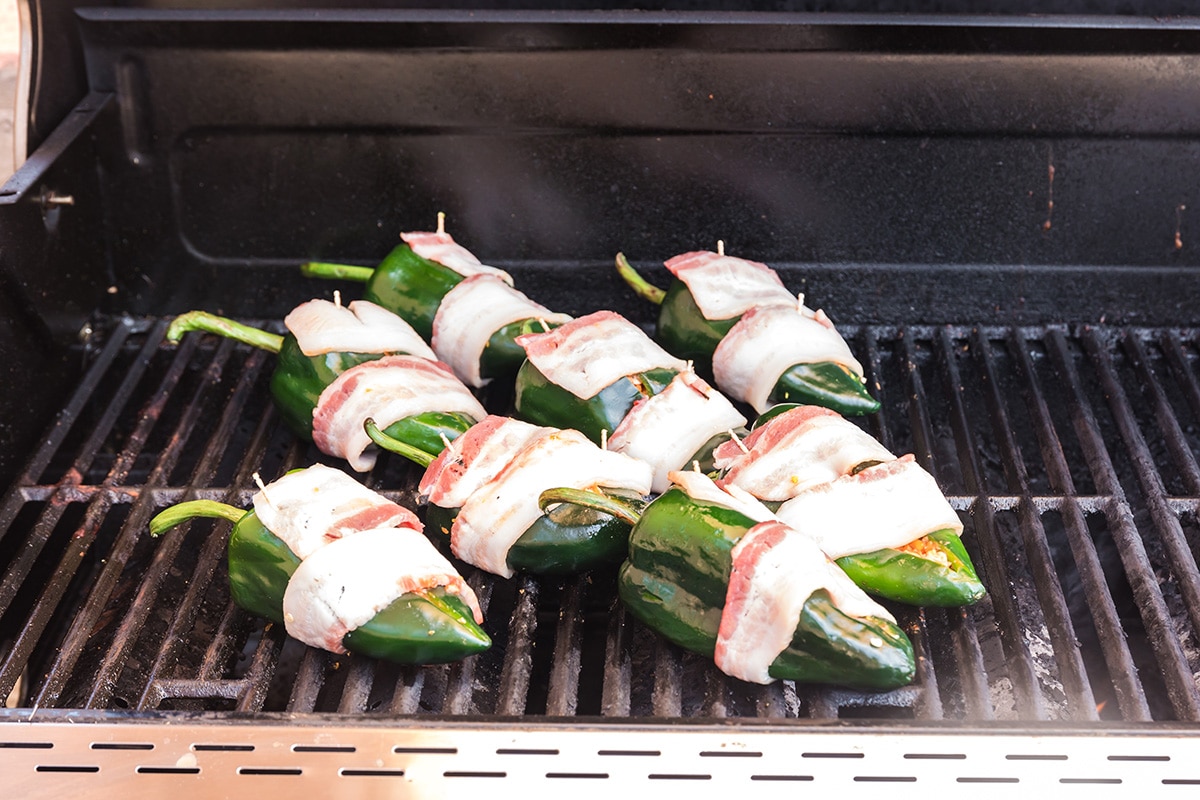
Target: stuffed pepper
(711,570)
(513,497)
(339,365)
(763,345)
(468,311)
(602,375)
(883,519)
(344,569)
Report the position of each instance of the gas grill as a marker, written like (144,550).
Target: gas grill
(996,212)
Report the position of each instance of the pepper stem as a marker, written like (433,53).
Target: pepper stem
(643,288)
(211,323)
(587,498)
(177,514)
(347,272)
(394,445)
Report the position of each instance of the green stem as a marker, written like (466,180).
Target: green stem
(211,323)
(174,515)
(596,501)
(643,288)
(393,445)
(347,272)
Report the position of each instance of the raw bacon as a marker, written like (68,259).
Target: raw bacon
(441,247)
(592,352)
(324,327)
(699,486)
(343,585)
(724,286)
(475,458)
(387,390)
(474,310)
(312,507)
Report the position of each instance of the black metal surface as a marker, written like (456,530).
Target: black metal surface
(1051,443)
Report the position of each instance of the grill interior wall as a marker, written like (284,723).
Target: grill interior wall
(1070,455)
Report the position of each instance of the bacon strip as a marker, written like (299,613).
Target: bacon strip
(775,572)
(592,352)
(496,515)
(474,310)
(724,286)
(699,486)
(324,327)
(475,458)
(667,429)
(888,505)
(441,247)
(344,585)
(769,340)
(388,390)
(796,450)
(312,507)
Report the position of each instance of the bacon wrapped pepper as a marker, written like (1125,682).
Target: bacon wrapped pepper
(602,375)
(713,572)
(763,346)
(343,568)
(337,366)
(900,539)
(467,310)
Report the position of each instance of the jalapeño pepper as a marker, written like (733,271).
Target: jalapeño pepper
(427,627)
(676,579)
(299,379)
(685,332)
(579,530)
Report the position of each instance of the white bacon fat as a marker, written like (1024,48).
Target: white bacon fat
(775,572)
(796,450)
(888,505)
(474,310)
(496,515)
(767,341)
(667,429)
(442,248)
(724,286)
(324,327)
(475,458)
(343,585)
(312,507)
(699,486)
(592,352)
(387,390)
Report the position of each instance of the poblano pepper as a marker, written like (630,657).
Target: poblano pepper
(298,380)
(432,626)
(685,332)
(677,576)
(578,530)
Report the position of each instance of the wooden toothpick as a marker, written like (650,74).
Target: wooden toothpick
(739,442)
(720,247)
(441,228)
(262,487)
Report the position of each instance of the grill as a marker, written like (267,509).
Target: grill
(1068,446)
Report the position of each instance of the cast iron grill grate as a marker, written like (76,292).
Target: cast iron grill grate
(1071,455)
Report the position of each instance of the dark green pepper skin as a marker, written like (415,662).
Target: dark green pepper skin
(684,332)
(677,576)
(298,381)
(411,286)
(907,577)
(544,403)
(260,565)
(566,540)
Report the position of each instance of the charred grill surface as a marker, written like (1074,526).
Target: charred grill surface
(1070,454)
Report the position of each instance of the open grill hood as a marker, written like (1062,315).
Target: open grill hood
(998,216)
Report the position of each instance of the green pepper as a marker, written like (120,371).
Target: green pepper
(413,287)
(935,570)
(578,531)
(684,331)
(427,627)
(676,579)
(298,380)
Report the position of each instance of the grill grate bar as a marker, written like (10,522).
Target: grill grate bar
(357,689)
(262,666)
(566,664)
(1019,662)
(310,678)
(667,697)
(1057,616)
(615,700)
(406,697)
(1115,648)
(966,642)
(1164,416)
(518,660)
(1124,529)
(1172,348)
(460,687)
(929,702)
